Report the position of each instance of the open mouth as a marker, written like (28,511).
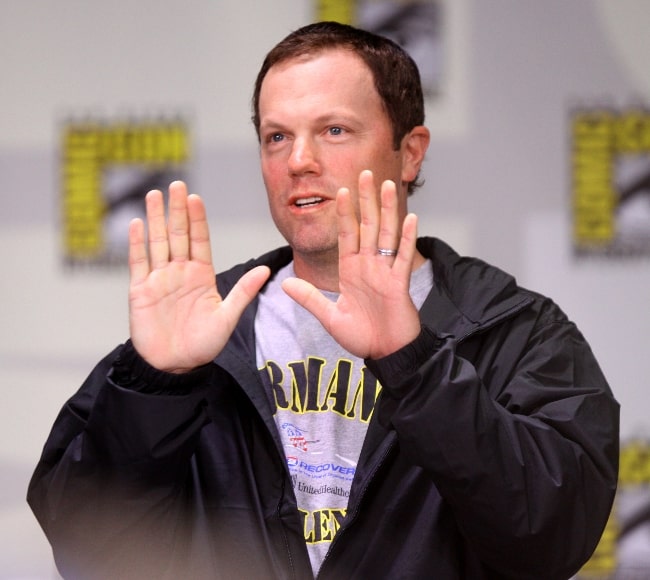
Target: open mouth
(308,202)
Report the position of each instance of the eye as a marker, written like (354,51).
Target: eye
(275,137)
(335,130)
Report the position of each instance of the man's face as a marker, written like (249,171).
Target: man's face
(321,124)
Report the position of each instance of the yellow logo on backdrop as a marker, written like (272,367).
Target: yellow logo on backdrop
(610,174)
(89,148)
(628,522)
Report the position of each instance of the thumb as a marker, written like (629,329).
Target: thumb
(309,297)
(245,290)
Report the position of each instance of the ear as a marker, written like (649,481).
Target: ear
(414,146)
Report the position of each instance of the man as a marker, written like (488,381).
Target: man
(360,404)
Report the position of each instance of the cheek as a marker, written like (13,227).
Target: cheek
(349,163)
(272,172)
(342,168)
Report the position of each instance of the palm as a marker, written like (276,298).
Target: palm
(173,313)
(373,315)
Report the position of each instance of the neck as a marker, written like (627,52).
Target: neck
(321,270)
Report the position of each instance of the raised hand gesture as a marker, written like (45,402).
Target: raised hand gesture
(178,321)
(374,314)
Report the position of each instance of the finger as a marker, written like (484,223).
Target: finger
(157,230)
(138,262)
(348,226)
(200,248)
(403,264)
(309,297)
(178,223)
(369,213)
(388,236)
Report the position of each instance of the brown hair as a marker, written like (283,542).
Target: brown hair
(395,74)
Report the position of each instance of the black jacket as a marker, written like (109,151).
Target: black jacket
(492,453)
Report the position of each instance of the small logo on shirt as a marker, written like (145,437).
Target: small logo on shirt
(296,437)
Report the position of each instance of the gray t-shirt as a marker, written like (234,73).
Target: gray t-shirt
(324,398)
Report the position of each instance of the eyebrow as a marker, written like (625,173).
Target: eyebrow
(324,119)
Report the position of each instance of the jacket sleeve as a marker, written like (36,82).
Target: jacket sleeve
(111,474)
(518,429)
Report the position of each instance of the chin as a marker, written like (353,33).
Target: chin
(314,248)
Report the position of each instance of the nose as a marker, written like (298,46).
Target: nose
(303,157)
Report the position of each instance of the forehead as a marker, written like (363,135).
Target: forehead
(332,74)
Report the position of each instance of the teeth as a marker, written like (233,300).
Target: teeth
(308,201)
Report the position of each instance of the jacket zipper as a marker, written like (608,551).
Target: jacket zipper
(350,520)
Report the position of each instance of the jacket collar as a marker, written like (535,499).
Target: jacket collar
(238,357)
(469,295)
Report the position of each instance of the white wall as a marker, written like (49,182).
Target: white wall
(496,176)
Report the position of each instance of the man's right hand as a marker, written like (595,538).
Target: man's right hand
(178,321)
